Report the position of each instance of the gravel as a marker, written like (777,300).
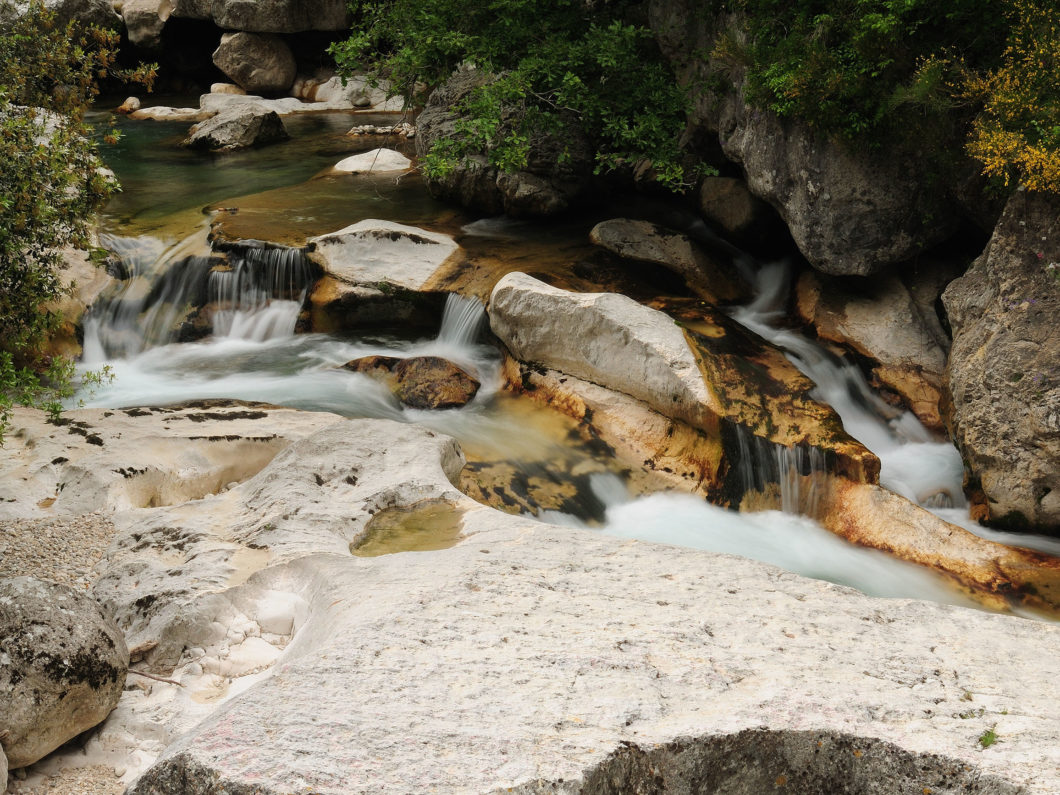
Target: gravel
(62,549)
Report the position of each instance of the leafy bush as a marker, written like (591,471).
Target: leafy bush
(51,183)
(554,60)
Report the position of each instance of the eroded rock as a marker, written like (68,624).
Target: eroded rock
(62,666)
(1003,374)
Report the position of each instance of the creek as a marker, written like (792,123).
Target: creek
(157,229)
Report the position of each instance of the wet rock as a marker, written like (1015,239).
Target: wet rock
(851,211)
(239,128)
(86,281)
(558,171)
(62,666)
(1003,374)
(706,373)
(373,162)
(257,63)
(421,382)
(647,242)
(883,321)
(381,255)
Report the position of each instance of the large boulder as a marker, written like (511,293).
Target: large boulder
(851,210)
(144,20)
(374,162)
(647,242)
(239,128)
(62,666)
(1003,375)
(268,16)
(557,173)
(257,63)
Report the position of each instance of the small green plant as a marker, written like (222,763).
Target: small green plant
(988,738)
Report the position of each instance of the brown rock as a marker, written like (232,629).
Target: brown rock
(421,382)
(430,382)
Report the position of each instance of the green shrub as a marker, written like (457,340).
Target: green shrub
(51,183)
(554,60)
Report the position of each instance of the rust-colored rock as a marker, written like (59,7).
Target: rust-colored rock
(420,382)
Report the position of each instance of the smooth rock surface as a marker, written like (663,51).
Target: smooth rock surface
(604,338)
(373,253)
(62,667)
(257,63)
(1003,374)
(373,162)
(647,242)
(531,659)
(239,128)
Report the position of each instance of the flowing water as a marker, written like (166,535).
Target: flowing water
(242,343)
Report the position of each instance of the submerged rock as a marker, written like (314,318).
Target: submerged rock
(239,128)
(420,382)
(1003,374)
(62,667)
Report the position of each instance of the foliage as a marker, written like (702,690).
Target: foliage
(555,61)
(1017,135)
(988,738)
(875,70)
(51,183)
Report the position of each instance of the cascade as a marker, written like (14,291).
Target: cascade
(181,291)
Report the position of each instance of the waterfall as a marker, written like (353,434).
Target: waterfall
(187,291)
(462,321)
(912,463)
(794,470)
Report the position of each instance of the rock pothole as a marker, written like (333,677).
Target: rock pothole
(424,526)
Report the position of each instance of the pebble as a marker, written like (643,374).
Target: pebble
(61,549)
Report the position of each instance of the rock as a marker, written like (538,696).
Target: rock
(420,382)
(144,20)
(103,460)
(86,282)
(239,128)
(882,321)
(258,63)
(1003,376)
(162,113)
(375,161)
(130,105)
(226,88)
(221,103)
(850,211)
(86,12)
(424,639)
(279,16)
(729,205)
(647,242)
(430,382)
(558,171)
(373,253)
(62,666)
